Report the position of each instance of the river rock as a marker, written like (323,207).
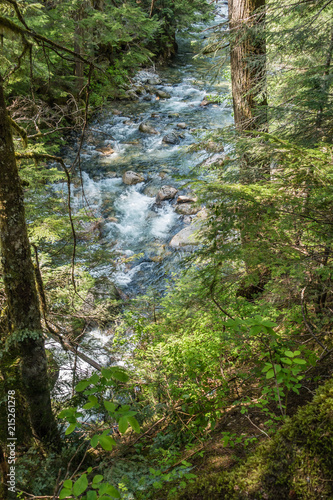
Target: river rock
(162,94)
(182,125)
(187,237)
(147,97)
(147,129)
(131,178)
(154,81)
(171,138)
(166,193)
(187,209)
(111,175)
(186,199)
(173,115)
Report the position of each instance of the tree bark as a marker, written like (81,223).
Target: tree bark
(248,63)
(18,273)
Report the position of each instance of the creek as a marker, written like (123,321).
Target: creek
(134,230)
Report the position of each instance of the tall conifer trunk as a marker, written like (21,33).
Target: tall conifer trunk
(248,63)
(18,273)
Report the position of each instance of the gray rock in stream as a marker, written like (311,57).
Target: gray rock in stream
(187,209)
(166,193)
(171,138)
(131,178)
(147,129)
(161,94)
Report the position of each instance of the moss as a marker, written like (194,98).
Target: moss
(297,463)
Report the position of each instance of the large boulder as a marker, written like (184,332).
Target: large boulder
(131,178)
(166,193)
(171,138)
(147,129)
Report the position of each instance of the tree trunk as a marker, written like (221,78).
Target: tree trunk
(18,274)
(248,63)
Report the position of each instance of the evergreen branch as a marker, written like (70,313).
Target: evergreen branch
(8,25)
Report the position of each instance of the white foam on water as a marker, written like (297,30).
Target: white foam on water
(162,224)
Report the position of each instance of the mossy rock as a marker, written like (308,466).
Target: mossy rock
(296,464)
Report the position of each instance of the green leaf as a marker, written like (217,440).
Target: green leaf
(109,406)
(97,479)
(123,424)
(94,441)
(277,368)
(91,495)
(109,490)
(119,374)
(270,374)
(70,429)
(89,470)
(106,372)
(134,424)
(267,367)
(289,354)
(80,485)
(81,386)
(66,413)
(94,379)
(65,493)
(87,406)
(68,484)
(107,442)
(299,361)
(286,361)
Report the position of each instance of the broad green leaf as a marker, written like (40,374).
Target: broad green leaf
(89,470)
(270,374)
(286,361)
(87,406)
(119,374)
(80,485)
(94,440)
(106,372)
(65,493)
(91,495)
(134,424)
(97,479)
(109,490)
(123,424)
(107,442)
(68,484)
(277,368)
(94,379)
(289,354)
(109,406)
(299,361)
(81,386)
(70,429)
(66,413)
(254,330)
(267,367)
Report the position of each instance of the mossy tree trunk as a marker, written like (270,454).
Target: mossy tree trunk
(18,274)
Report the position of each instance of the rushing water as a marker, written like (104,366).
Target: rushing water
(133,224)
